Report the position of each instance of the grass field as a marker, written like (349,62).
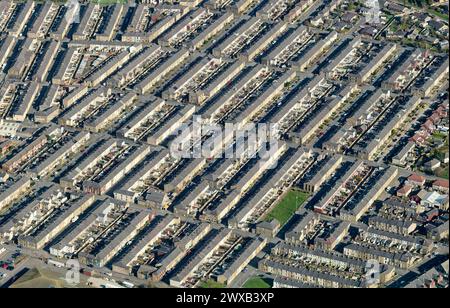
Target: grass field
(291,202)
(438,14)
(211,284)
(442,172)
(257,283)
(445,173)
(422,4)
(439,135)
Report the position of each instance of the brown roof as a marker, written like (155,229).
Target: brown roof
(405,190)
(441,183)
(416,178)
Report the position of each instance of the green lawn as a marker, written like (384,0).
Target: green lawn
(257,283)
(442,172)
(287,207)
(422,4)
(439,135)
(438,14)
(211,284)
(439,154)
(445,173)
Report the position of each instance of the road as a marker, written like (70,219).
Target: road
(425,266)
(38,259)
